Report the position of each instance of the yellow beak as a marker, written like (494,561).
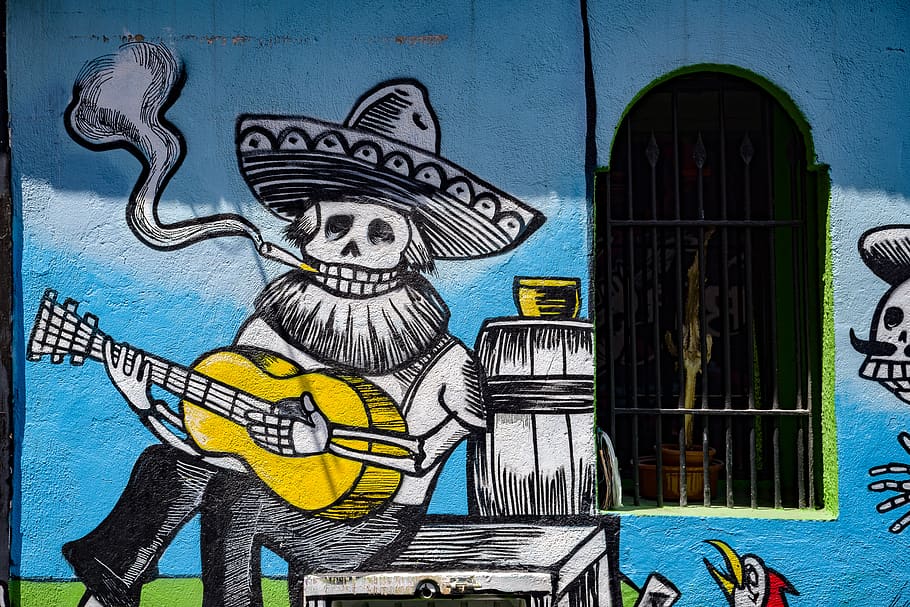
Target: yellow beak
(734,564)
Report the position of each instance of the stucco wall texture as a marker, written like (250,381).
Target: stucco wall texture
(508,84)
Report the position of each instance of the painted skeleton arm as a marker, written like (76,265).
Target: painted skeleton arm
(442,390)
(449,391)
(901,488)
(431,447)
(130,373)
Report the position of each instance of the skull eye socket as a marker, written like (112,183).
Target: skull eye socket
(380,232)
(337,226)
(893,317)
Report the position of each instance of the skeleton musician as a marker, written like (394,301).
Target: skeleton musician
(371,204)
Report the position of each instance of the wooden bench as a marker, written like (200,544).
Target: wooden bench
(553,562)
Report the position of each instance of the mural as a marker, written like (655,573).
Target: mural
(320,432)
(748,582)
(528,103)
(886,251)
(658,591)
(902,488)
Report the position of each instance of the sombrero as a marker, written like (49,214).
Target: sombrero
(387,150)
(886,251)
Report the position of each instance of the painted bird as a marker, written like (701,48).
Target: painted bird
(749,582)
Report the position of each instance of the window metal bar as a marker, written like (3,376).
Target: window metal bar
(805,427)
(728,464)
(810,346)
(608,273)
(679,247)
(677,198)
(724,304)
(801,211)
(708,223)
(723,152)
(801,464)
(706,466)
(700,156)
(775,438)
(721,412)
(653,153)
(630,314)
(753,471)
(799,335)
(683,484)
(746,153)
(772,239)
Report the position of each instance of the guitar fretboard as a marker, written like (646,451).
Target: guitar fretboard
(59,331)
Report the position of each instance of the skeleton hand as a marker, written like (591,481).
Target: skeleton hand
(288,432)
(133,382)
(901,487)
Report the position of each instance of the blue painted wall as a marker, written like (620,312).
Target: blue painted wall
(508,86)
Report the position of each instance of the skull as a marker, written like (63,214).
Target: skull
(888,349)
(359,235)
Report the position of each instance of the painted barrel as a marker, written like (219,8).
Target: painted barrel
(537,454)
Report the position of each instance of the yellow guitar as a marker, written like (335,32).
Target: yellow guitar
(223,385)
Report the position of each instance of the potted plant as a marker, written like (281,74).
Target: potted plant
(690,356)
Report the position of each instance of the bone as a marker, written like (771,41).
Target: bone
(119,101)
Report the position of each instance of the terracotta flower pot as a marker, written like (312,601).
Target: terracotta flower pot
(694,457)
(671,476)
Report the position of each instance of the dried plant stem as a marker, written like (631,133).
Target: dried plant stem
(691,341)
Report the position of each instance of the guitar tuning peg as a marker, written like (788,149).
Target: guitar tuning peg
(32,356)
(70,304)
(56,358)
(50,296)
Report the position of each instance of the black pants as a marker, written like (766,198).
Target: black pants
(239,516)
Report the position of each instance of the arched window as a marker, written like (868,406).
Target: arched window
(709,260)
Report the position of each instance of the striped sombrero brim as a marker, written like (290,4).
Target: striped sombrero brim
(289,163)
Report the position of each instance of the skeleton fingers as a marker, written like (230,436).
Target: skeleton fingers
(902,488)
(129,372)
(290,434)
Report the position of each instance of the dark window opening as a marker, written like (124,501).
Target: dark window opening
(709,249)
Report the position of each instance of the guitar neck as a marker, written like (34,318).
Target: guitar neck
(60,332)
(198,389)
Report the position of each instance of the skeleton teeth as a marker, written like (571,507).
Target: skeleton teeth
(322,268)
(897,386)
(361,276)
(867,370)
(347,273)
(331,283)
(356,288)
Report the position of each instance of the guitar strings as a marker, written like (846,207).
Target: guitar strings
(71,334)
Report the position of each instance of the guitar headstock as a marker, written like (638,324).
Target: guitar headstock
(60,331)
